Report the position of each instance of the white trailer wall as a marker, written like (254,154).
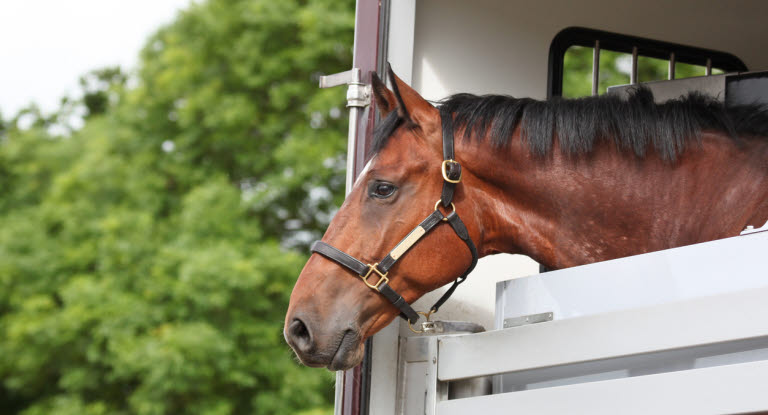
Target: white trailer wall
(443,47)
(499,46)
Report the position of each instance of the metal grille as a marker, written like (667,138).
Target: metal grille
(600,40)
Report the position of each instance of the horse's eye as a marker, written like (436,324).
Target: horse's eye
(382,190)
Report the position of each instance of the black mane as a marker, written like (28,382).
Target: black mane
(633,124)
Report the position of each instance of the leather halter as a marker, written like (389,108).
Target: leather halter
(451,171)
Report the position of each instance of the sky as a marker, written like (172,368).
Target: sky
(46,45)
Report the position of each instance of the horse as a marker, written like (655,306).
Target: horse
(565,181)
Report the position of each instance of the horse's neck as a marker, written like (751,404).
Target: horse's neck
(565,211)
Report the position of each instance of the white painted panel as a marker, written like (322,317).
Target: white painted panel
(384,366)
(741,316)
(717,267)
(401,27)
(416,386)
(728,389)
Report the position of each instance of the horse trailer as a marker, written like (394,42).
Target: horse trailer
(683,330)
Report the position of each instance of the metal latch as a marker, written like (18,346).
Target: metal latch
(358,94)
(529,319)
(438,327)
(751,229)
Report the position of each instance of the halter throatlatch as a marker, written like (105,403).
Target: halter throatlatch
(375,276)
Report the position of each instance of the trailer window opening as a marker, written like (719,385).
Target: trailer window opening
(622,59)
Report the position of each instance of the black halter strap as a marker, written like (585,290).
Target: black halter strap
(451,171)
(450,168)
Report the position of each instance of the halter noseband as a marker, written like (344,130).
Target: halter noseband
(451,171)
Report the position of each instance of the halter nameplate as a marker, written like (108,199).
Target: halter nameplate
(407,242)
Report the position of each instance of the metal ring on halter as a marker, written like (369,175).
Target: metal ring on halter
(445,219)
(426,316)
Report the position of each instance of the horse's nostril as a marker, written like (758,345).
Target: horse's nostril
(300,335)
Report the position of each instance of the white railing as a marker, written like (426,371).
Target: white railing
(704,353)
(699,341)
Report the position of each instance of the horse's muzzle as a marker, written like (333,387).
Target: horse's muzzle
(338,350)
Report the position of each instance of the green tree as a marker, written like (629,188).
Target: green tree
(146,259)
(99,87)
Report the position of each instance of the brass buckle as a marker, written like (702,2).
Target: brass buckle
(444,168)
(445,218)
(382,277)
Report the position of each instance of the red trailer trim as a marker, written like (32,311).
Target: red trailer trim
(365,56)
(367,18)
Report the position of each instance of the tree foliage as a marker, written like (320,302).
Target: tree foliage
(146,258)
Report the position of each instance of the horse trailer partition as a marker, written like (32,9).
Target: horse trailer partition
(443,47)
(680,331)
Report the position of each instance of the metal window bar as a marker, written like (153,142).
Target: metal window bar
(633,78)
(633,73)
(582,37)
(595,67)
(671,74)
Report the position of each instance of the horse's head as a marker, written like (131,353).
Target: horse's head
(332,311)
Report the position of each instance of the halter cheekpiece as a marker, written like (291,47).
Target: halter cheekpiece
(451,172)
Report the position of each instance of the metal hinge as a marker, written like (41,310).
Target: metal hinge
(358,94)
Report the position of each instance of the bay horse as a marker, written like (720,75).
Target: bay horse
(566,182)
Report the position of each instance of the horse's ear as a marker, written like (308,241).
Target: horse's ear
(385,99)
(410,105)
